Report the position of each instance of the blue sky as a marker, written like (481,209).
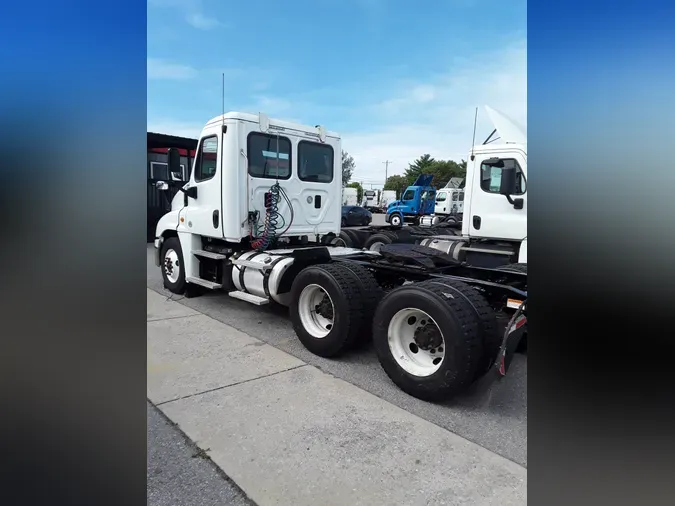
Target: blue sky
(396,79)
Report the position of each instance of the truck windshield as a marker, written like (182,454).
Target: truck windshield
(408,195)
(315,162)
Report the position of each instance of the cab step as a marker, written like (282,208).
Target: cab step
(209,254)
(203,282)
(249,297)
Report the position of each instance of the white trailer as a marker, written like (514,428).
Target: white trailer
(350,197)
(387,196)
(260,220)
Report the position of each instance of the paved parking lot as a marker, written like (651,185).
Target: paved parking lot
(495,420)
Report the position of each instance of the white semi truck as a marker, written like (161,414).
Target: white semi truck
(492,228)
(259,219)
(370,200)
(449,202)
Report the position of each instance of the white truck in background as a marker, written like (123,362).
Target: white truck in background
(494,224)
(260,219)
(370,200)
(350,197)
(450,202)
(386,196)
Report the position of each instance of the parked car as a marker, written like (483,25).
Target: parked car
(355,215)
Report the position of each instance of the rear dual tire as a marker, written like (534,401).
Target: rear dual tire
(406,329)
(332,306)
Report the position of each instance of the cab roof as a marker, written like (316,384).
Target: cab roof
(254,118)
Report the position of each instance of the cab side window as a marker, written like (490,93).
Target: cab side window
(491,177)
(207,158)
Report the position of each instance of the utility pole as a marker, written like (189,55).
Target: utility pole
(386,170)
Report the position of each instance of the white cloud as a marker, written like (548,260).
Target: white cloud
(202,22)
(434,116)
(437,117)
(192,10)
(190,130)
(161,69)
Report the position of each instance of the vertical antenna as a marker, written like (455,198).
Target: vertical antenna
(473,142)
(223,89)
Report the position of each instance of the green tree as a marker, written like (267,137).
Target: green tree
(348,167)
(423,165)
(444,170)
(397,183)
(359,191)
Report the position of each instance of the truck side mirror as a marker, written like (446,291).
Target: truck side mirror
(174,161)
(508,187)
(508,183)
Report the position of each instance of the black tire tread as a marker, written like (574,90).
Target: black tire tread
(513,268)
(371,295)
(371,292)
(380,237)
(491,338)
(351,291)
(346,238)
(470,340)
(181,285)
(356,240)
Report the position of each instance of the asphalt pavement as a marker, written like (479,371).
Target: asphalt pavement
(180,473)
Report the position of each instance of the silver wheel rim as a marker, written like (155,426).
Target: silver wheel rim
(377,246)
(312,306)
(414,353)
(172,265)
(396,221)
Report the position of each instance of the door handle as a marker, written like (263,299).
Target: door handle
(216,215)
(476,222)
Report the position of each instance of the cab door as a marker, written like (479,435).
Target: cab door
(441,203)
(203,211)
(491,215)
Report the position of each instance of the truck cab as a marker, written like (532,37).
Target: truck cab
(494,211)
(370,200)
(449,202)
(245,165)
(417,200)
(496,204)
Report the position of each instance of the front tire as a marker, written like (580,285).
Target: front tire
(173,271)
(327,309)
(396,220)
